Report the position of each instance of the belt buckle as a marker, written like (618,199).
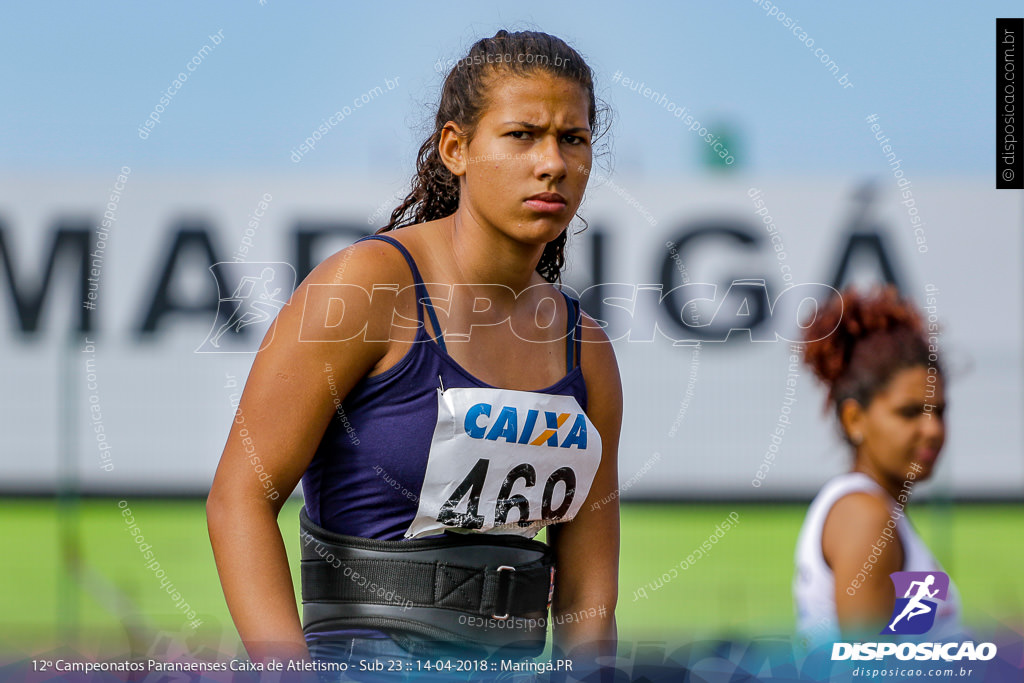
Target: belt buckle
(508,593)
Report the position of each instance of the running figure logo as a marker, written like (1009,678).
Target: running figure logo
(914,613)
(250,295)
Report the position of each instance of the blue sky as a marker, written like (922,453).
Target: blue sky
(80,78)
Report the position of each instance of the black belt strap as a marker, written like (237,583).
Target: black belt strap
(488,591)
(421,591)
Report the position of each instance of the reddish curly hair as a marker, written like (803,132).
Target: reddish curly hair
(875,336)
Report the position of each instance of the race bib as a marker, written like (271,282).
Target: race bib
(504,461)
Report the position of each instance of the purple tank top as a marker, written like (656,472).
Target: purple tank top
(366,475)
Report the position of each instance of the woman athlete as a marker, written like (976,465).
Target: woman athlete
(441,401)
(886,386)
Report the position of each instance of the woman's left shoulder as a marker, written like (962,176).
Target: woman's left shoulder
(594,334)
(597,360)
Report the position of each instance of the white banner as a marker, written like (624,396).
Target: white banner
(144,405)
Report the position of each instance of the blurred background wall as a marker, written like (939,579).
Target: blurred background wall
(151,142)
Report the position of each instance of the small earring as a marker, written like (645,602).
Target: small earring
(857,438)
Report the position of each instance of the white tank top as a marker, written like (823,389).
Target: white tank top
(814,589)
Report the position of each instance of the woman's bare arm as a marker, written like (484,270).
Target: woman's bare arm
(587,548)
(281,417)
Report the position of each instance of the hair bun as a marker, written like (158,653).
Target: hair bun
(892,325)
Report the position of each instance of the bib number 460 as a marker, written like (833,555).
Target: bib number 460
(473,485)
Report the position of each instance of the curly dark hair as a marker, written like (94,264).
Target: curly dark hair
(875,336)
(435,191)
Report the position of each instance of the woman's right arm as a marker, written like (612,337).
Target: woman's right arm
(281,417)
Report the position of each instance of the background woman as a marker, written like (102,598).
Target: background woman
(886,386)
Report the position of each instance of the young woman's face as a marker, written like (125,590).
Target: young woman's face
(533,138)
(903,428)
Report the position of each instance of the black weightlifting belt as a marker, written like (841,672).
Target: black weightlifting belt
(476,592)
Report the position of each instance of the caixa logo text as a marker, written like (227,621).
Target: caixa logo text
(949,652)
(505,427)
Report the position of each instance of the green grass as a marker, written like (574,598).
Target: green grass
(741,587)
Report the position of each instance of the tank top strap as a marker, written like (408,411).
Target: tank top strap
(422,297)
(573,332)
